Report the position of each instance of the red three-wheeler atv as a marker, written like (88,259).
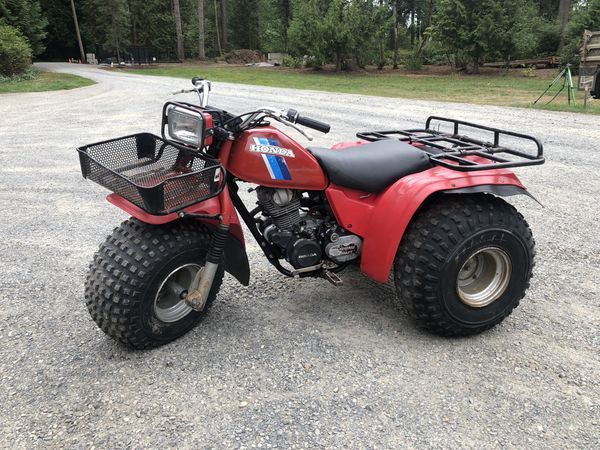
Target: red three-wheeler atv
(423,204)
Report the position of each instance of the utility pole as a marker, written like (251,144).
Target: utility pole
(83,59)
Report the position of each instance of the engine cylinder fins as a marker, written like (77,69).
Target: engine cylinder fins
(282,205)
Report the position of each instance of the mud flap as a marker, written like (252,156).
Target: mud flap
(501,190)
(236,260)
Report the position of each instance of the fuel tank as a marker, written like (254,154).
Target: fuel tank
(268,157)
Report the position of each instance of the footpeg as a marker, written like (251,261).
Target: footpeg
(332,278)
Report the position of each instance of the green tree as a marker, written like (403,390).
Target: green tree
(153,26)
(472,30)
(367,23)
(107,23)
(15,52)
(318,30)
(27,17)
(61,41)
(244,24)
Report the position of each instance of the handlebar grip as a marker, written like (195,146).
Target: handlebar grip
(295,117)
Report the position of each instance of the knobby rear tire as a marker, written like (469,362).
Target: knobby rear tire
(127,271)
(439,240)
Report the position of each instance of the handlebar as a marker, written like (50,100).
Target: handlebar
(288,117)
(294,116)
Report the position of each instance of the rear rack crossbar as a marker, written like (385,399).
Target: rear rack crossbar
(460,152)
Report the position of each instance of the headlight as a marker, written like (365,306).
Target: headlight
(186,126)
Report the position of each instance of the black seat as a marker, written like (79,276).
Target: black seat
(371,167)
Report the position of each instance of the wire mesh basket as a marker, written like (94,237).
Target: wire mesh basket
(158,176)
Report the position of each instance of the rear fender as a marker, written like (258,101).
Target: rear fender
(381,219)
(235,258)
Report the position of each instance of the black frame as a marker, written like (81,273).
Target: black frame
(451,150)
(268,249)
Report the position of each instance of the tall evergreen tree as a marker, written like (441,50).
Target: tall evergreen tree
(564,14)
(224,24)
(201,37)
(27,17)
(471,30)
(178,30)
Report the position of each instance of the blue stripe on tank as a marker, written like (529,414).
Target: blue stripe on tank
(285,172)
(275,167)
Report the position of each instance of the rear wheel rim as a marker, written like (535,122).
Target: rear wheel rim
(169,304)
(484,277)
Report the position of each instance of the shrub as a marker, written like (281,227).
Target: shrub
(314,62)
(413,61)
(15,52)
(30,74)
(290,61)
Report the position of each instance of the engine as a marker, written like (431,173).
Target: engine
(302,230)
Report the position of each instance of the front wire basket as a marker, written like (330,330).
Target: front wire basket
(158,176)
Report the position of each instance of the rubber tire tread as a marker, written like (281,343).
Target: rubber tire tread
(431,236)
(124,269)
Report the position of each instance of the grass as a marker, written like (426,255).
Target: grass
(504,89)
(43,81)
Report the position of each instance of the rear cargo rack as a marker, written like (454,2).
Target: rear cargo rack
(457,151)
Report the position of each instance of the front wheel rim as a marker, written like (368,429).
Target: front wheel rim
(484,277)
(169,302)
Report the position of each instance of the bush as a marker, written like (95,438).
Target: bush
(314,62)
(413,61)
(290,61)
(570,54)
(30,74)
(15,52)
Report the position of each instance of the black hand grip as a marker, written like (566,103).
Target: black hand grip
(196,79)
(314,124)
(295,117)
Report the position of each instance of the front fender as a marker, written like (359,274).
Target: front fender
(381,219)
(235,258)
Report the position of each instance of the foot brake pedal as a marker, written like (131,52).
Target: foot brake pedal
(332,278)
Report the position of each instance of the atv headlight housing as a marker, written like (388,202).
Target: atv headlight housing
(186,126)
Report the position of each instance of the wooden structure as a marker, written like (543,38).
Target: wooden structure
(590,59)
(541,63)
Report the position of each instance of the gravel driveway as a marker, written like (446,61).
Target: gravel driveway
(286,363)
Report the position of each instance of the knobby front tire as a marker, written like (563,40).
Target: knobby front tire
(137,281)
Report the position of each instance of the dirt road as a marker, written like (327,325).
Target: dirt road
(286,363)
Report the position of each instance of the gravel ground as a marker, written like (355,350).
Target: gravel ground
(286,363)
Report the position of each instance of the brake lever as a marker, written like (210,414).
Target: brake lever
(183,91)
(298,129)
(281,117)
